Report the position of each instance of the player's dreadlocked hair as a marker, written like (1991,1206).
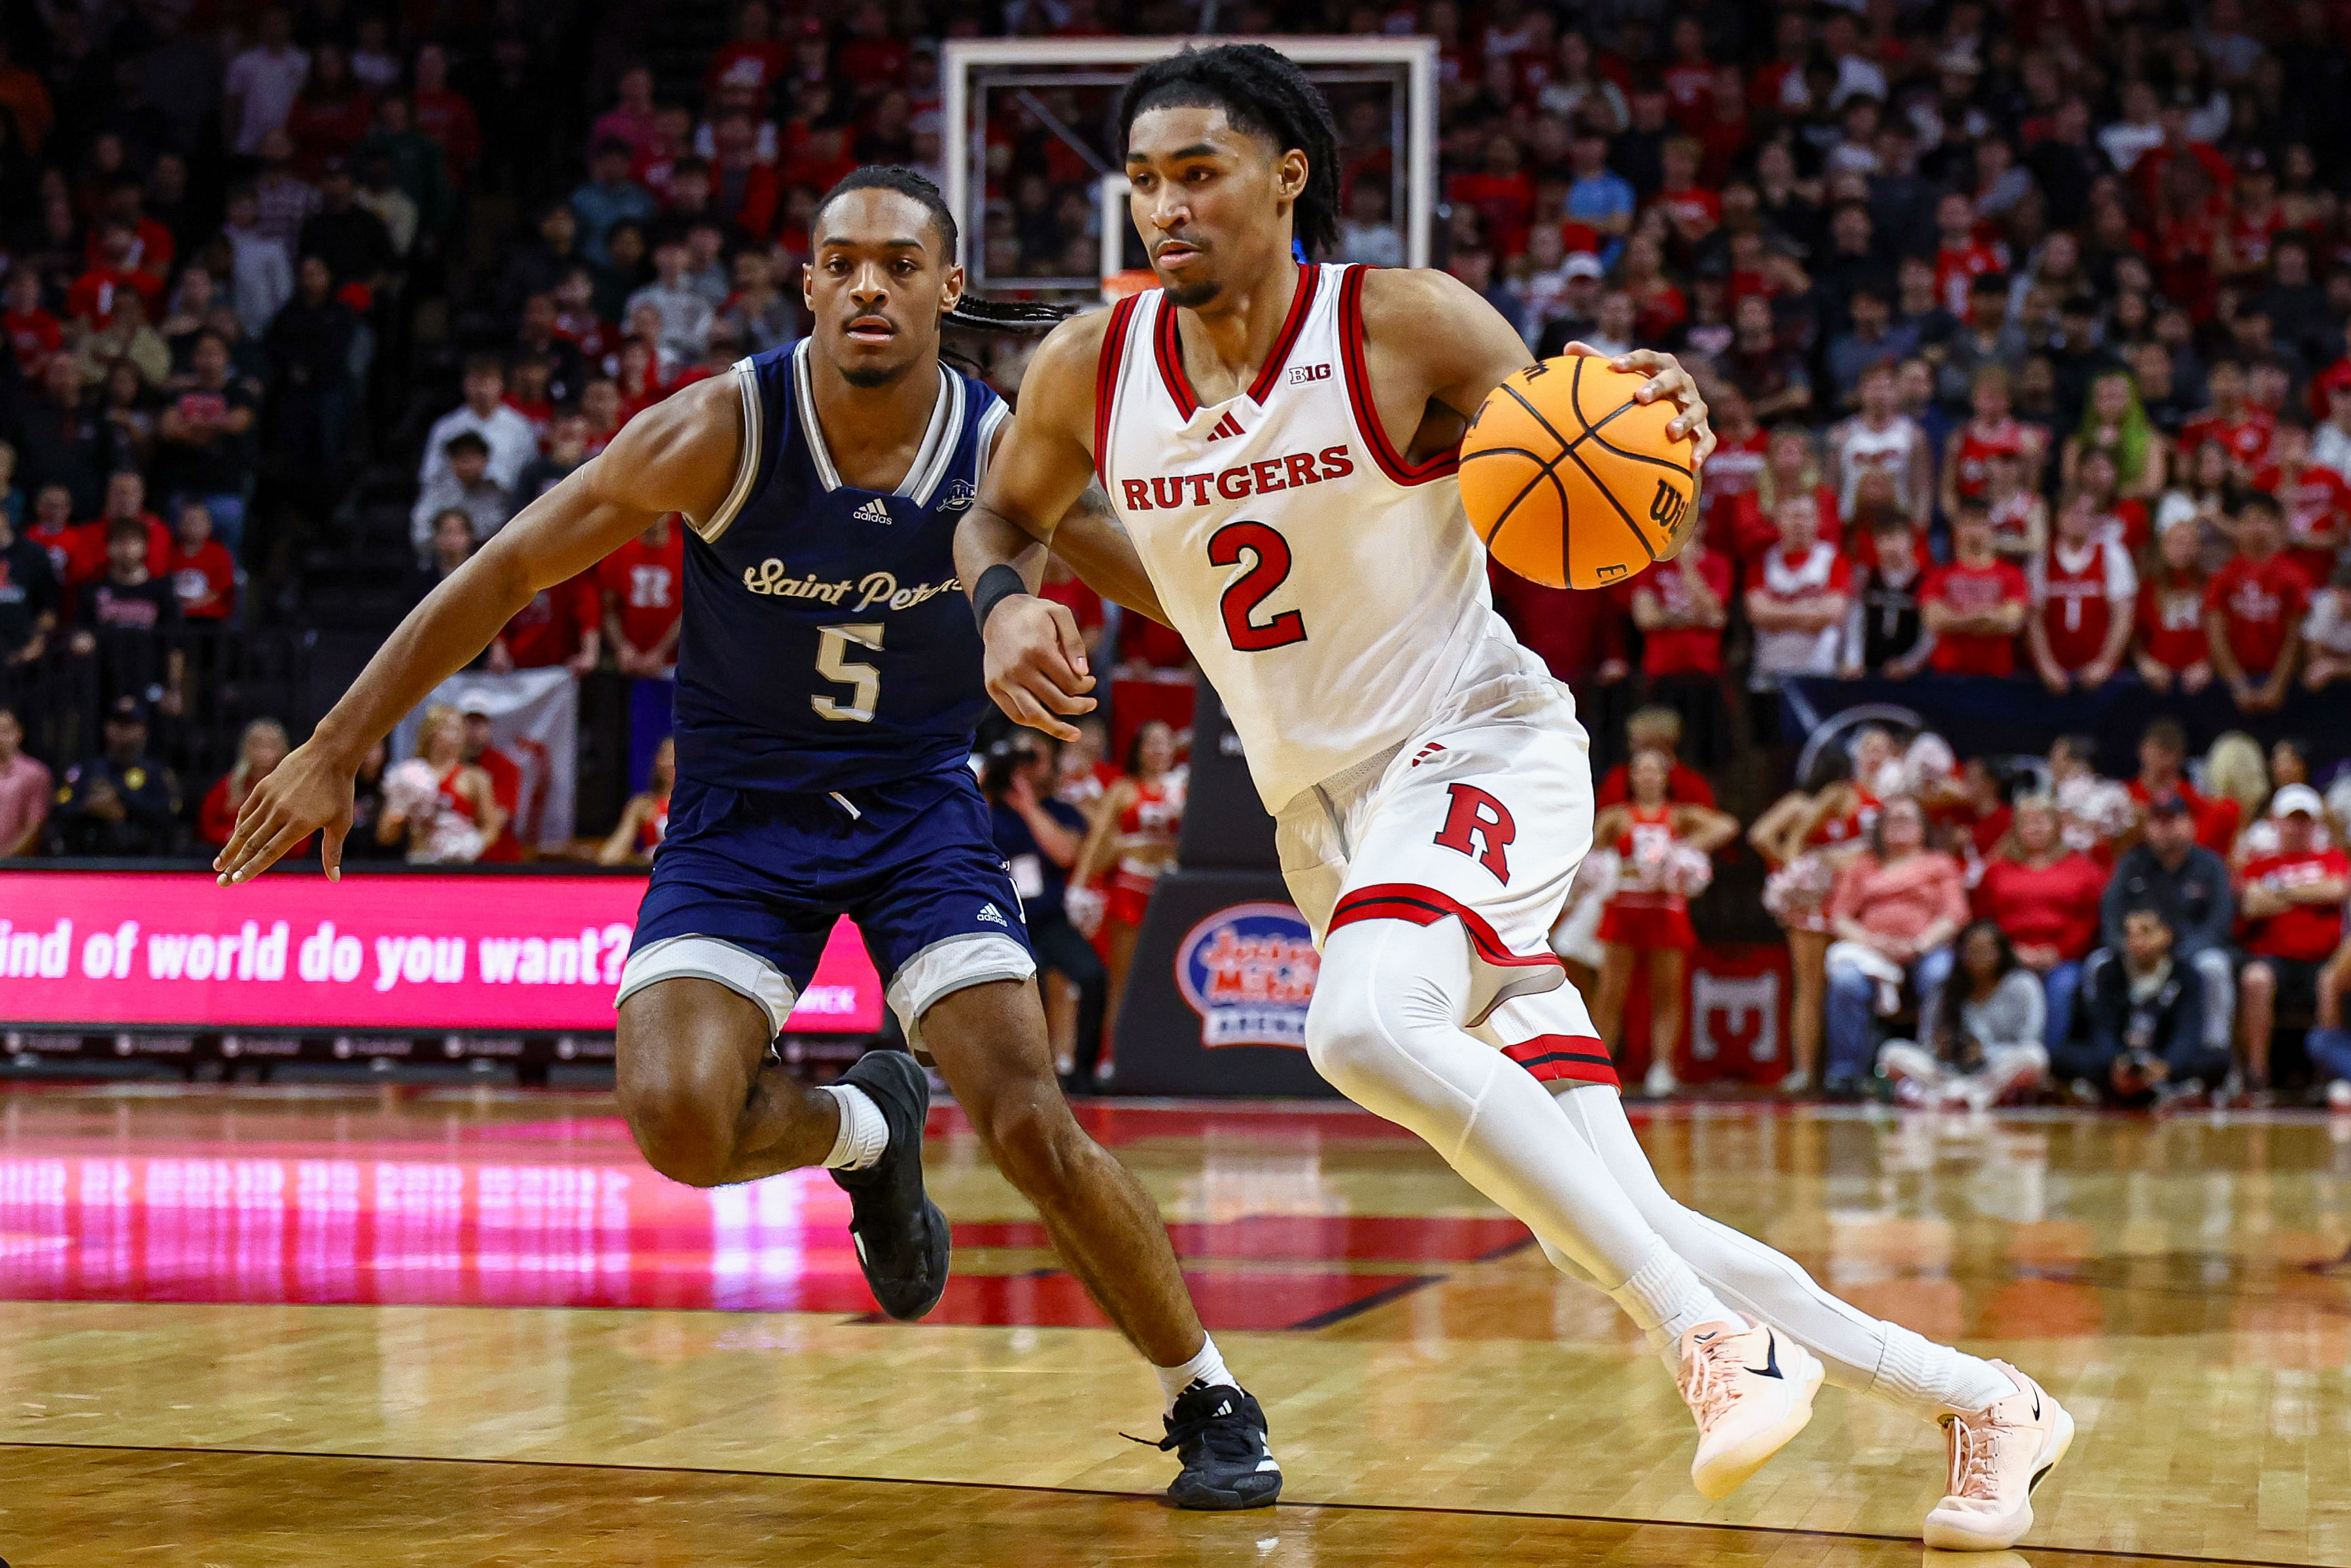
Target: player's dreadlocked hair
(1261,91)
(998,315)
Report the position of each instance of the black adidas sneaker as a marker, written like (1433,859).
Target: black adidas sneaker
(900,1236)
(1220,1433)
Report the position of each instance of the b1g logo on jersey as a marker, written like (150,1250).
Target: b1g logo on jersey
(1299,375)
(1249,971)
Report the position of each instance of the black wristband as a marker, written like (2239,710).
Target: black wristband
(997,584)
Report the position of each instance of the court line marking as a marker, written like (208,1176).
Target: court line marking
(2124,1557)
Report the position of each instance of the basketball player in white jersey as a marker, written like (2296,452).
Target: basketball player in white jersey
(1279,441)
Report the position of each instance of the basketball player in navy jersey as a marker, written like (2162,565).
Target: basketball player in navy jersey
(827,684)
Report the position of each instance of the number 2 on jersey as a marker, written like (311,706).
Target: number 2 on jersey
(863,681)
(1253,587)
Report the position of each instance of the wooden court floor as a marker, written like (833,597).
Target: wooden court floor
(261,1328)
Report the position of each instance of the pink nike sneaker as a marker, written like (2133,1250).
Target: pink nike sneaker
(1999,1454)
(1751,1392)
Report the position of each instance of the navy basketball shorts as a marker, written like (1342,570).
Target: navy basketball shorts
(749,883)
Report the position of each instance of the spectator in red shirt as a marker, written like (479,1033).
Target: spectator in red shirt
(2083,595)
(1960,256)
(125,502)
(2233,419)
(1681,607)
(1975,606)
(642,584)
(506,783)
(558,626)
(200,568)
(90,300)
(632,119)
(2045,897)
(77,555)
(2254,610)
(1655,728)
(1500,191)
(1791,466)
(1690,75)
(445,115)
(33,333)
(2162,760)
(747,68)
(2172,650)
(2292,902)
(1692,211)
(743,187)
(2314,501)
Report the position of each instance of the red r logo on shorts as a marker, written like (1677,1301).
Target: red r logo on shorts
(1481,827)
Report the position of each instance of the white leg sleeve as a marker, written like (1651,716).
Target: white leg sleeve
(1860,1352)
(1385,1029)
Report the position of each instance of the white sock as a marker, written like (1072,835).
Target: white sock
(1665,1299)
(863,1133)
(1207,1367)
(1917,1375)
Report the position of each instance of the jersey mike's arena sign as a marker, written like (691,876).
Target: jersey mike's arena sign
(516,953)
(1249,971)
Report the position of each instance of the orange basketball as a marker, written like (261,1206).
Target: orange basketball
(1568,480)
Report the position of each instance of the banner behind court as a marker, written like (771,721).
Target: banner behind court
(397,951)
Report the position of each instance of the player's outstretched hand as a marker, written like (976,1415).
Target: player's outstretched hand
(1036,665)
(1669,381)
(310,792)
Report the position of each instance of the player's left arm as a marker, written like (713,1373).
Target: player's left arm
(1088,537)
(1455,349)
(1036,664)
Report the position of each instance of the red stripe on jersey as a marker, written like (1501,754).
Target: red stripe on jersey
(1359,393)
(1309,279)
(1425,906)
(1113,354)
(1170,349)
(1577,1057)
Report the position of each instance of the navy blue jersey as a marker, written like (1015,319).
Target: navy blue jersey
(827,643)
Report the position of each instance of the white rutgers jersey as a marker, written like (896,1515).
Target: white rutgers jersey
(1332,592)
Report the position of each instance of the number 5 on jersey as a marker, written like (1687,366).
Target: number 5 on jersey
(1268,572)
(863,681)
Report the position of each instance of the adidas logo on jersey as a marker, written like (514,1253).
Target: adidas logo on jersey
(874,511)
(1428,753)
(1228,426)
(994,916)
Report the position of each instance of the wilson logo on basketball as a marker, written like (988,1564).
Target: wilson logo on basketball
(1665,507)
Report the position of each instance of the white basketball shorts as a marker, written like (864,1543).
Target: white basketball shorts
(1480,818)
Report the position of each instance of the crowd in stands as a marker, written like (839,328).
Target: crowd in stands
(2024,327)
(2017,925)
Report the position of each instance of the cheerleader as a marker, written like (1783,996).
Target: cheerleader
(1804,837)
(1662,852)
(1133,839)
